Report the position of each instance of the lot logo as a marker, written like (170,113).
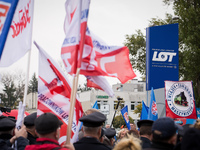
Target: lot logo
(163,56)
(180,99)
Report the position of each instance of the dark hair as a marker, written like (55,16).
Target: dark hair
(133,133)
(145,130)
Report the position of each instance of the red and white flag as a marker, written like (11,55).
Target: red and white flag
(54,91)
(97,59)
(179,100)
(19,37)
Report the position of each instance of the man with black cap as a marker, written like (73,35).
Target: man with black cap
(164,134)
(145,127)
(8,134)
(48,130)
(92,125)
(30,127)
(109,140)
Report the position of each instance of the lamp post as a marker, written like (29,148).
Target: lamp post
(119,99)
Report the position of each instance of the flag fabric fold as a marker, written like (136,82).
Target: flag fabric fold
(144,113)
(101,83)
(54,91)
(19,37)
(153,112)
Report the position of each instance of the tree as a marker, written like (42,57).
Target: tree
(8,97)
(138,109)
(84,88)
(119,121)
(189,46)
(13,88)
(137,45)
(33,84)
(189,29)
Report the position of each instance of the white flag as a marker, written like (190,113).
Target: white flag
(54,91)
(19,38)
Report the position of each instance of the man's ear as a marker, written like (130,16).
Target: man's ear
(36,133)
(99,132)
(173,139)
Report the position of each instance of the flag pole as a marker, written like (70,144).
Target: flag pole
(27,78)
(22,106)
(75,80)
(72,104)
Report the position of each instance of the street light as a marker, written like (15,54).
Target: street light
(173,19)
(119,99)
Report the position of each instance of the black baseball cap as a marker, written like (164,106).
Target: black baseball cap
(6,123)
(144,123)
(164,128)
(95,119)
(30,119)
(47,123)
(110,133)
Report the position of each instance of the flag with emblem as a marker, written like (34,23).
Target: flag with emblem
(54,91)
(153,112)
(19,38)
(124,112)
(179,100)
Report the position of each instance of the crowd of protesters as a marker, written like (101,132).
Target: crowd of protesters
(43,132)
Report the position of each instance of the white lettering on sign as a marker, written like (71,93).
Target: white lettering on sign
(163,56)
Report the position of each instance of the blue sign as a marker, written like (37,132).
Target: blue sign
(162,58)
(7,8)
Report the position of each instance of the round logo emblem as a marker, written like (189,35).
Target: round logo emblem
(180,99)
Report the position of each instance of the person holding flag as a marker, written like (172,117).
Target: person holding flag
(47,128)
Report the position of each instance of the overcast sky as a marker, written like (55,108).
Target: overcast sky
(111,20)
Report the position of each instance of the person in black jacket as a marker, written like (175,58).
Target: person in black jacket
(9,134)
(30,127)
(145,127)
(92,125)
(164,134)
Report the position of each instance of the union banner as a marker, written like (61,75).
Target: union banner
(179,100)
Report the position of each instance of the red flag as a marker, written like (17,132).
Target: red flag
(96,59)
(100,59)
(180,101)
(54,91)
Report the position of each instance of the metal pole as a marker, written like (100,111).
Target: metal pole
(116,110)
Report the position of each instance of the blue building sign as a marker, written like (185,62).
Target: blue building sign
(162,58)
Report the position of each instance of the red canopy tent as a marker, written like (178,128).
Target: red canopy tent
(14,113)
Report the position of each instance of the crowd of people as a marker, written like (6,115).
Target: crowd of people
(43,132)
